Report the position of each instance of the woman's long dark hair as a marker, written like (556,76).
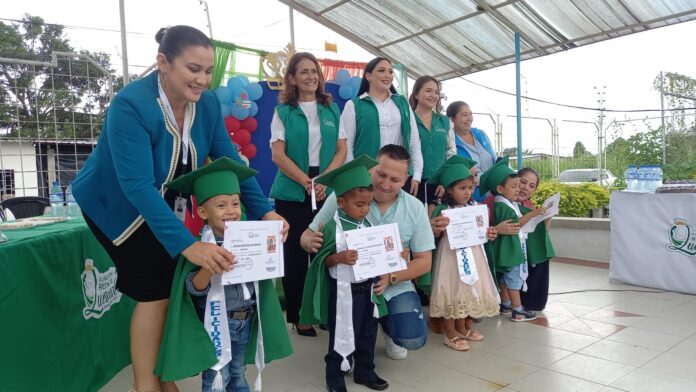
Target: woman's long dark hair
(369,67)
(526,170)
(174,40)
(417,86)
(454,108)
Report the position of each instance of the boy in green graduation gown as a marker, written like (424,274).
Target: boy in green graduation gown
(509,251)
(232,314)
(348,306)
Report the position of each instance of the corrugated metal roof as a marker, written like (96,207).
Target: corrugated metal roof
(449,38)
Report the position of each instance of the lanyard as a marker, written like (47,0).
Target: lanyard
(187,120)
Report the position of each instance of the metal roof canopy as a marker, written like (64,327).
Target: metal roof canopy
(450,38)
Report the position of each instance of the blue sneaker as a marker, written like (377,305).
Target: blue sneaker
(523,315)
(505,309)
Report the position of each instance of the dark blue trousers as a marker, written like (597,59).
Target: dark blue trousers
(365,329)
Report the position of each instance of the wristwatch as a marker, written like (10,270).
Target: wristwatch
(392,279)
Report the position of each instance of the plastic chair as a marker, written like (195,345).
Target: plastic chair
(26,206)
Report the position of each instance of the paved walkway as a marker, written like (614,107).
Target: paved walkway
(584,341)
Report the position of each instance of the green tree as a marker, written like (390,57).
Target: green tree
(36,101)
(579,150)
(680,93)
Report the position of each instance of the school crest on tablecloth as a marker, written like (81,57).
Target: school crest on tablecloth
(682,238)
(98,290)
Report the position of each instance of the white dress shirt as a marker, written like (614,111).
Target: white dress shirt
(389,130)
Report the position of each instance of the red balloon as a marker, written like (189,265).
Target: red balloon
(242,137)
(249,151)
(250,124)
(232,124)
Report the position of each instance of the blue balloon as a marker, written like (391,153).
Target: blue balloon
(239,112)
(254,90)
(234,83)
(226,110)
(237,93)
(253,109)
(355,83)
(342,77)
(223,94)
(345,91)
(243,79)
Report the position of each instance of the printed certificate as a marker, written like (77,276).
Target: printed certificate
(551,205)
(258,249)
(467,226)
(379,249)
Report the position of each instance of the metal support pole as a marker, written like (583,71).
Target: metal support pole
(499,134)
(557,151)
(662,114)
(600,127)
(518,99)
(124,46)
(292,26)
(207,14)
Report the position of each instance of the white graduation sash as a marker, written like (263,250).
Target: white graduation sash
(215,320)
(344,336)
(524,269)
(218,328)
(466,265)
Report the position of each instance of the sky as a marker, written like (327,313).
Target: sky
(623,68)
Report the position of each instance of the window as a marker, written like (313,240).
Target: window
(7,183)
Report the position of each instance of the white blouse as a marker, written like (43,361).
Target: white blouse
(314,146)
(389,129)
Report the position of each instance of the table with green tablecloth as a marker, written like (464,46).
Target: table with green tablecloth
(64,326)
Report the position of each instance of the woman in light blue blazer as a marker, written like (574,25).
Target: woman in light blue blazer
(472,143)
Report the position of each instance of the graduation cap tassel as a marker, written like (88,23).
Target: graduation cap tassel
(217,382)
(257,383)
(345,365)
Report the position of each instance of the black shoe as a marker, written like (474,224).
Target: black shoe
(377,384)
(306,332)
(336,389)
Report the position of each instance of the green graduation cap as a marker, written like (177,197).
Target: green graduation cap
(454,169)
(349,176)
(220,177)
(494,176)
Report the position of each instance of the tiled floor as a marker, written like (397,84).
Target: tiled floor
(583,341)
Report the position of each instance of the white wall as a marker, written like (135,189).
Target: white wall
(581,238)
(20,156)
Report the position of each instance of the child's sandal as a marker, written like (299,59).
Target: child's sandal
(456,343)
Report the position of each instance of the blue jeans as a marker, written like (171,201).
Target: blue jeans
(405,323)
(233,373)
